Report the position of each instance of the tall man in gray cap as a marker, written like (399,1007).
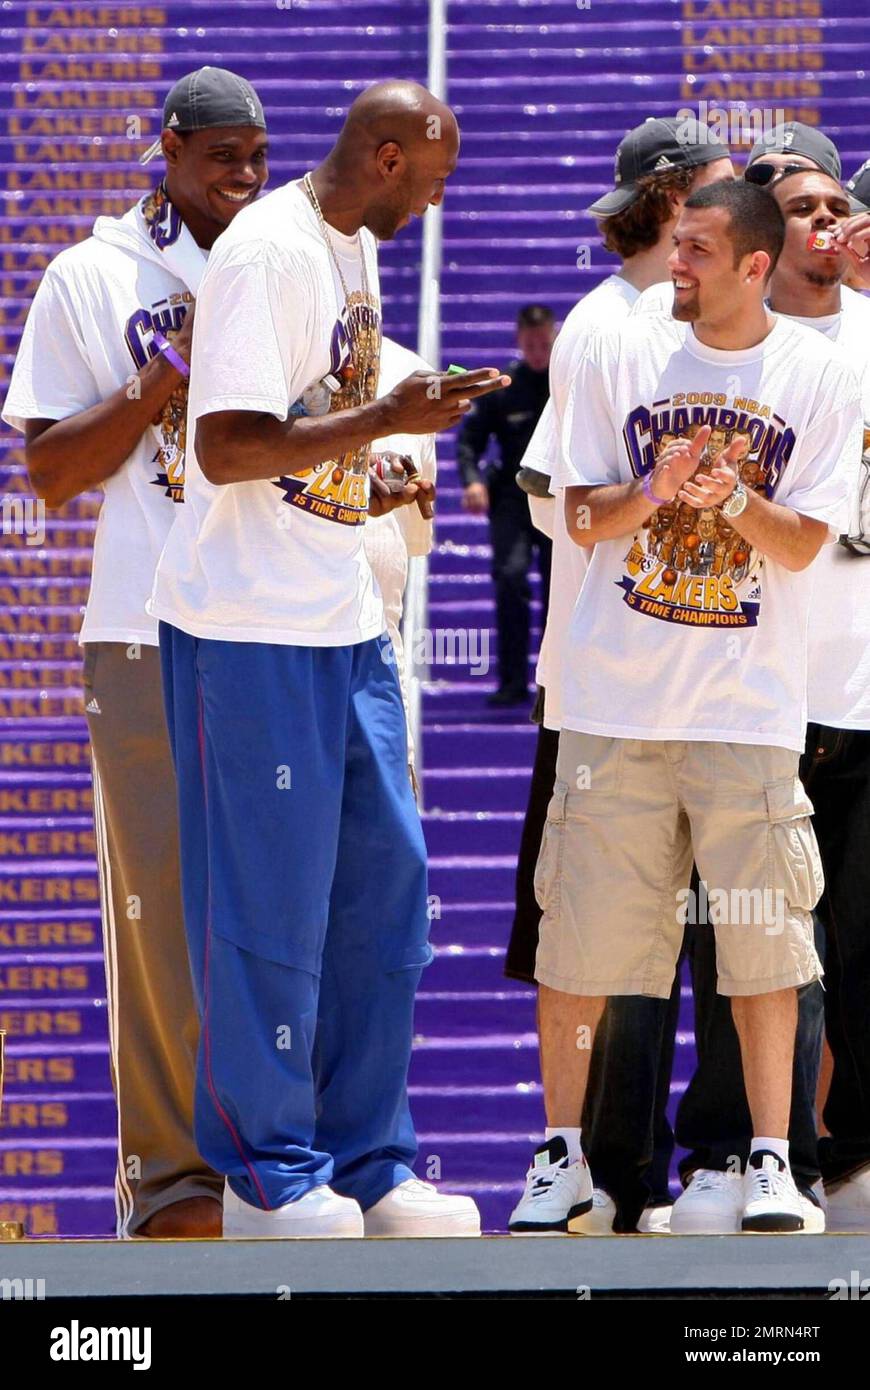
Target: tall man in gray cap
(100,390)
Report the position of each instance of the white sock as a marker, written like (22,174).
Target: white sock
(776,1146)
(572,1139)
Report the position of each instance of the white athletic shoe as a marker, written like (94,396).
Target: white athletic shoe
(771,1202)
(849,1203)
(598,1220)
(655,1221)
(710,1205)
(318,1214)
(556,1192)
(416,1208)
(813,1208)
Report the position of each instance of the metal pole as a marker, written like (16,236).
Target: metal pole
(429,348)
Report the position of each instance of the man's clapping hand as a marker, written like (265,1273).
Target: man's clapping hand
(711,486)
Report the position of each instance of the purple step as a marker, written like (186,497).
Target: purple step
(57,1115)
(479,1060)
(54,794)
(79,1211)
(470,1013)
(56,884)
(471,789)
(491,832)
(46,837)
(76,1019)
(47,1066)
(457,925)
(502,1155)
(509,744)
(463,876)
(85,1161)
(467,699)
(474,1108)
(466,968)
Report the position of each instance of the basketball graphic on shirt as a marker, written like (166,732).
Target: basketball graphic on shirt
(171,432)
(688,565)
(338,489)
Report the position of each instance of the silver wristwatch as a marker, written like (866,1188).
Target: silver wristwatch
(735,502)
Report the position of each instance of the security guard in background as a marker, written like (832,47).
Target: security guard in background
(510,416)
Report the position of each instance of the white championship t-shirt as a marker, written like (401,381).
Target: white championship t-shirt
(839,633)
(608,303)
(277,560)
(89,331)
(694,635)
(838,652)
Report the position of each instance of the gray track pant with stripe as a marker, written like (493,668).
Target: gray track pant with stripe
(153,1026)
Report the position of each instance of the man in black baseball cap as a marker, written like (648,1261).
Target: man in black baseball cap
(792,143)
(661,145)
(858,188)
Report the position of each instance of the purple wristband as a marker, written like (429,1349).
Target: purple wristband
(170,354)
(646,489)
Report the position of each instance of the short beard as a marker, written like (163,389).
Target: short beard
(825,282)
(687,312)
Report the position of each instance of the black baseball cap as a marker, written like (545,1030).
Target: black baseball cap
(661,144)
(858,188)
(207,98)
(793,137)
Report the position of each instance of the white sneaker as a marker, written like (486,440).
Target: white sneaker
(771,1202)
(655,1221)
(556,1192)
(598,1220)
(711,1204)
(416,1208)
(849,1203)
(318,1214)
(813,1209)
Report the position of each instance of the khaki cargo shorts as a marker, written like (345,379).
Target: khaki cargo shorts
(626,819)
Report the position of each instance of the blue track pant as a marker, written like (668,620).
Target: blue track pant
(304,882)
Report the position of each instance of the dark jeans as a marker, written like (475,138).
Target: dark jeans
(837,778)
(514,542)
(627,1136)
(626,1132)
(523,945)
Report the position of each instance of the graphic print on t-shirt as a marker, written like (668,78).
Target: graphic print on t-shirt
(338,489)
(170,431)
(691,566)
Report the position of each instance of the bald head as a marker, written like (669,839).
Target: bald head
(400,112)
(395,151)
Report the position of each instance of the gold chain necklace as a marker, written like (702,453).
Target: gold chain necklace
(358,376)
(315,203)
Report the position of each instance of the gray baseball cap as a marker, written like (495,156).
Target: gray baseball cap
(208,98)
(658,146)
(793,137)
(858,188)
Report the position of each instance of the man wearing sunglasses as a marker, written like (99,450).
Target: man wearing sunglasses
(791,146)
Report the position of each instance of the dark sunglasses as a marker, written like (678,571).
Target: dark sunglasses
(763,173)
